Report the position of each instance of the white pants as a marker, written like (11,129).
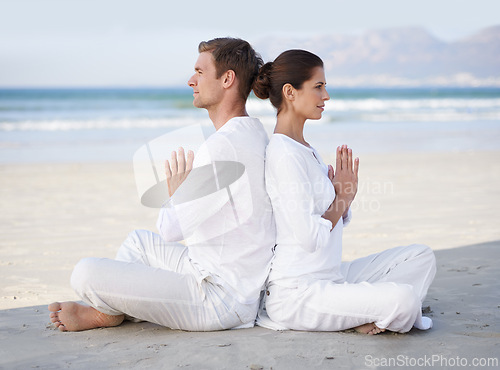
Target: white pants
(386,288)
(153,280)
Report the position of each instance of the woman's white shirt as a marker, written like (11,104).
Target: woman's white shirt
(300,191)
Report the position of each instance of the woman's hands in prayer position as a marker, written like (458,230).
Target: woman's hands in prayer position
(345,183)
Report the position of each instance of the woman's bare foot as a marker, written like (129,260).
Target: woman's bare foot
(72,316)
(370,329)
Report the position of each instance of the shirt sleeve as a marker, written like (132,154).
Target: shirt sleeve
(293,202)
(168,225)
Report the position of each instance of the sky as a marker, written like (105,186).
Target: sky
(114,43)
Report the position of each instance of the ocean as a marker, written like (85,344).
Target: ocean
(85,125)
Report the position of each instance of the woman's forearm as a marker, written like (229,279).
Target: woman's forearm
(337,209)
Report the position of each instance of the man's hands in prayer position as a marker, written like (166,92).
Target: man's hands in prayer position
(177,169)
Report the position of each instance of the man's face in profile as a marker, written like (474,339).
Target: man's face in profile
(207,88)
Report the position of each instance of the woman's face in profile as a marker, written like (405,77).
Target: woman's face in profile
(310,99)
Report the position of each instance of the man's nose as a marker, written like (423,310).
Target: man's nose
(191,81)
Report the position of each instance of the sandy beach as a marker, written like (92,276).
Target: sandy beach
(55,214)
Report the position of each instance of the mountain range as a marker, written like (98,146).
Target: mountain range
(399,57)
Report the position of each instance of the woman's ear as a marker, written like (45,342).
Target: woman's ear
(288,92)
(228,78)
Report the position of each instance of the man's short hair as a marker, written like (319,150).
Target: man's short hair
(237,55)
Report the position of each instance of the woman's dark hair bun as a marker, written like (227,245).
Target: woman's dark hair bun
(262,84)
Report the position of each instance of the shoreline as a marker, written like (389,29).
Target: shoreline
(367,138)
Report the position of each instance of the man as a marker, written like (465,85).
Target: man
(213,282)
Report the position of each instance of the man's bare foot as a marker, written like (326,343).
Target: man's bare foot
(370,329)
(72,316)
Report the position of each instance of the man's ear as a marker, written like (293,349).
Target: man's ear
(228,78)
(288,92)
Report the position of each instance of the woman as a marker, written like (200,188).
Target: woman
(309,288)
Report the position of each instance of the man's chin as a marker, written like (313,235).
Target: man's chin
(197,104)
